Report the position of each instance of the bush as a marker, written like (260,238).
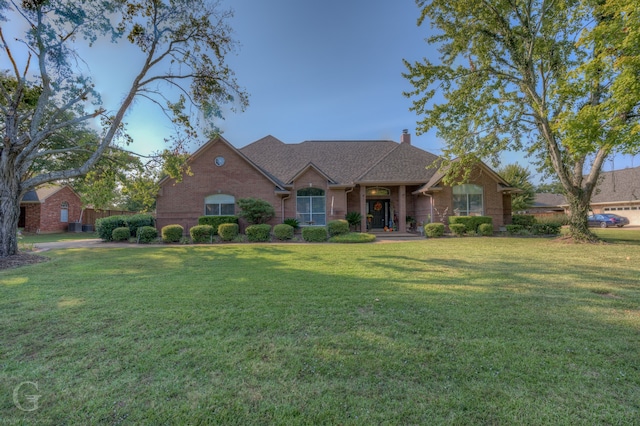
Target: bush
(434,230)
(258,233)
(515,229)
(524,220)
(337,227)
(171,233)
(255,211)
(147,234)
(546,228)
(458,229)
(216,221)
(139,220)
(353,237)
(354,219)
(283,231)
(106,225)
(293,222)
(314,234)
(201,234)
(228,231)
(485,229)
(120,234)
(471,223)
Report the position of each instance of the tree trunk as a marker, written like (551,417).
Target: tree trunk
(10,208)
(578,226)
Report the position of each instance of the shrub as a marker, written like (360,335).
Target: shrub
(255,211)
(546,228)
(337,227)
(201,234)
(120,234)
(293,222)
(139,220)
(353,237)
(216,221)
(171,233)
(524,220)
(485,229)
(434,230)
(258,233)
(147,234)
(458,229)
(106,225)
(354,219)
(559,218)
(283,231)
(314,234)
(471,223)
(228,231)
(515,229)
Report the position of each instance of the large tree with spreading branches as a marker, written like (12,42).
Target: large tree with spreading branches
(559,79)
(46,94)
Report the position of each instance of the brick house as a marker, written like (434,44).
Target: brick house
(318,181)
(49,208)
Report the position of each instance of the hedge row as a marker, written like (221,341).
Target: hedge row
(106,225)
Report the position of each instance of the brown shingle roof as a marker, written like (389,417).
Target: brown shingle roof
(344,162)
(618,185)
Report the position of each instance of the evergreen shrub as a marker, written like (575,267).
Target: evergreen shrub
(283,231)
(258,233)
(120,234)
(314,234)
(147,234)
(171,233)
(458,229)
(216,221)
(434,230)
(201,234)
(106,225)
(337,227)
(485,229)
(228,231)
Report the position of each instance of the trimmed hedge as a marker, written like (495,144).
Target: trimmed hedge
(258,233)
(171,233)
(120,234)
(485,229)
(201,233)
(314,234)
(515,229)
(524,220)
(138,221)
(337,227)
(458,229)
(283,231)
(146,234)
(471,223)
(434,230)
(228,231)
(216,221)
(106,225)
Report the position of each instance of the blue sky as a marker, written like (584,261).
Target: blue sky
(314,70)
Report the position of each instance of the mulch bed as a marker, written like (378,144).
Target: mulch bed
(20,259)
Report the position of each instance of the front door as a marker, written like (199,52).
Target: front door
(378,213)
(22,220)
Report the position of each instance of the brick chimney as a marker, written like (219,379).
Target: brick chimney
(405,137)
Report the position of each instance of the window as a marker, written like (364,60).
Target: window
(311,207)
(467,200)
(220,205)
(64,212)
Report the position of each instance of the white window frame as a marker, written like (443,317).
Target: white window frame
(466,198)
(220,205)
(64,212)
(311,208)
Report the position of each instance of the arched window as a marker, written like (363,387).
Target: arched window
(311,207)
(467,200)
(220,205)
(64,212)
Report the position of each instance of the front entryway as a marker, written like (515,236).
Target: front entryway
(378,214)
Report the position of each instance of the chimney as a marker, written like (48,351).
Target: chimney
(405,137)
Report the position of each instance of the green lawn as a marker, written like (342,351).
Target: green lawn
(63,236)
(447,331)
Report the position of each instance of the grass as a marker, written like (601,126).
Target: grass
(439,331)
(48,238)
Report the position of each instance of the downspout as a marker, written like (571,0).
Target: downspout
(430,206)
(282,200)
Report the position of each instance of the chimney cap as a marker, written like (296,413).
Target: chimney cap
(405,131)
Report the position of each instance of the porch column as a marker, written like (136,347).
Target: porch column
(402,214)
(363,208)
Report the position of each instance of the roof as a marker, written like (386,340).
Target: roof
(40,194)
(343,162)
(618,186)
(548,200)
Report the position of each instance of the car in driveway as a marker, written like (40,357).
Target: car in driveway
(605,220)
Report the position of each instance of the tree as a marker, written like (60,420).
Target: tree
(182,46)
(255,211)
(558,79)
(519,177)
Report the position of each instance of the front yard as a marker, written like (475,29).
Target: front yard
(444,331)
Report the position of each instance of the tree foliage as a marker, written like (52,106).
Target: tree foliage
(47,99)
(519,177)
(557,79)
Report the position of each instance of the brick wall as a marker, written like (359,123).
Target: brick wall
(50,210)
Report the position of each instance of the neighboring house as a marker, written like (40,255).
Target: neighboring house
(618,192)
(547,204)
(49,208)
(319,181)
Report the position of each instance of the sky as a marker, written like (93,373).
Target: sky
(313,69)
